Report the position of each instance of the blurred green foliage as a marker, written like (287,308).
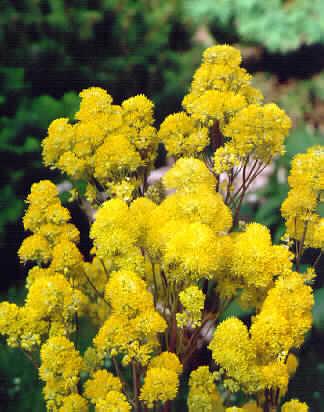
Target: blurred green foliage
(278,25)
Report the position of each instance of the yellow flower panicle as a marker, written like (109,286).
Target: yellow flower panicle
(114,402)
(233,350)
(127,294)
(113,242)
(294,406)
(189,174)
(192,300)
(183,136)
(107,143)
(94,101)
(256,262)
(192,253)
(286,316)
(167,360)
(100,384)
(300,208)
(134,324)
(257,359)
(203,394)
(60,368)
(160,385)
(259,130)
(74,403)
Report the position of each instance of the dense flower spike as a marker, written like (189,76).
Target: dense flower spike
(257,359)
(60,368)
(168,256)
(192,300)
(203,395)
(74,403)
(303,221)
(294,406)
(160,385)
(101,383)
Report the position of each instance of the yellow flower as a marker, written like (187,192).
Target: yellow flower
(255,260)
(222,54)
(128,294)
(182,136)
(36,248)
(233,350)
(67,259)
(192,253)
(160,385)
(203,395)
(116,158)
(192,300)
(100,384)
(94,101)
(74,403)
(189,174)
(259,130)
(294,406)
(167,360)
(113,402)
(215,105)
(60,368)
(59,140)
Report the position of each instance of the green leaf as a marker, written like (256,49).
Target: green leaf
(234,309)
(318,310)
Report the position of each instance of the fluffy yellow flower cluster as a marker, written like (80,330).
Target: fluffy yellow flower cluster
(167,259)
(300,209)
(254,264)
(162,379)
(257,359)
(294,406)
(132,327)
(60,370)
(203,395)
(109,145)
(105,391)
(192,299)
(48,220)
(222,105)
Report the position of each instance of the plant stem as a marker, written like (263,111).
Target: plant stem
(135,387)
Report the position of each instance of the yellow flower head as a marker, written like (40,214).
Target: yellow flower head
(192,300)
(192,253)
(222,54)
(127,293)
(294,406)
(114,402)
(60,139)
(203,395)
(167,360)
(100,384)
(189,174)
(74,403)
(94,101)
(160,384)
(182,136)
(233,350)
(259,130)
(60,367)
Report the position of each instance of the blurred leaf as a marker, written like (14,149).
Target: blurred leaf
(234,309)
(318,310)
(300,140)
